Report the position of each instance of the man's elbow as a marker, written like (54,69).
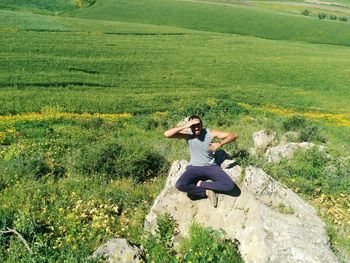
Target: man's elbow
(167,134)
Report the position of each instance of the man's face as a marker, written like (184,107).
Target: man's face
(196,128)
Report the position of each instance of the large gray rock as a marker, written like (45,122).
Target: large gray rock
(119,250)
(271,223)
(263,139)
(275,154)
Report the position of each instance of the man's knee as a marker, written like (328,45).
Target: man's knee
(180,186)
(229,186)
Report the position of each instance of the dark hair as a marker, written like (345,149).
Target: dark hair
(196,117)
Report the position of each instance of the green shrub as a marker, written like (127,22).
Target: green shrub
(227,107)
(333,17)
(305,171)
(311,133)
(38,167)
(93,123)
(208,245)
(337,177)
(85,3)
(242,156)
(307,132)
(201,109)
(322,15)
(202,245)
(220,112)
(305,12)
(105,158)
(157,120)
(294,123)
(8,136)
(312,172)
(7,220)
(115,160)
(165,229)
(159,247)
(343,18)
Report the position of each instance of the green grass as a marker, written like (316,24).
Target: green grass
(39,5)
(236,19)
(297,9)
(14,20)
(160,61)
(243,68)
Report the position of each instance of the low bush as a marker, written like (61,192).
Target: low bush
(202,245)
(343,18)
(242,156)
(93,123)
(220,112)
(157,120)
(38,167)
(116,160)
(294,123)
(337,176)
(159,247)
(208,245)
(322,15)
(8,136)
(333,17)
(312,172)
(311,133)
(85,3)
(305,12)
(307,132)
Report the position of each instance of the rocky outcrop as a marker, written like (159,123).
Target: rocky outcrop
(263,139)
(290,136)
(275,154)
(119,250)
(270,222)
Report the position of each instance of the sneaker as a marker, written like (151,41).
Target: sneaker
(212,197)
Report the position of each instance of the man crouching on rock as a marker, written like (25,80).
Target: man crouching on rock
(203,177)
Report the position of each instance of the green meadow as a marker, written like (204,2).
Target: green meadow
(87,89)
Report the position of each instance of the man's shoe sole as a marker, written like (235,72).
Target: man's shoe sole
(213,198)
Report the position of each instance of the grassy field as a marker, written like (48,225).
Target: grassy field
(86,93)
(40,6)
(239,19)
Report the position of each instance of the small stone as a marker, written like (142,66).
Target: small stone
(119,250)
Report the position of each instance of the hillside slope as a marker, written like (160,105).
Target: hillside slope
(223,18)
(39,5)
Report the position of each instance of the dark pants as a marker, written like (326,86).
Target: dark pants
(220,181)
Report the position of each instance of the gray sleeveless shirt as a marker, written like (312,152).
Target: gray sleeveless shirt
(199,152)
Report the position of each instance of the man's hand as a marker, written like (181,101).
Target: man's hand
(192,122)
(225,138)
(180,132)
(214,146)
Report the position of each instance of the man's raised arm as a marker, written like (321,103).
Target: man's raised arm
(225,137)
(178,132)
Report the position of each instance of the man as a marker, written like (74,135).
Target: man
(202,167)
